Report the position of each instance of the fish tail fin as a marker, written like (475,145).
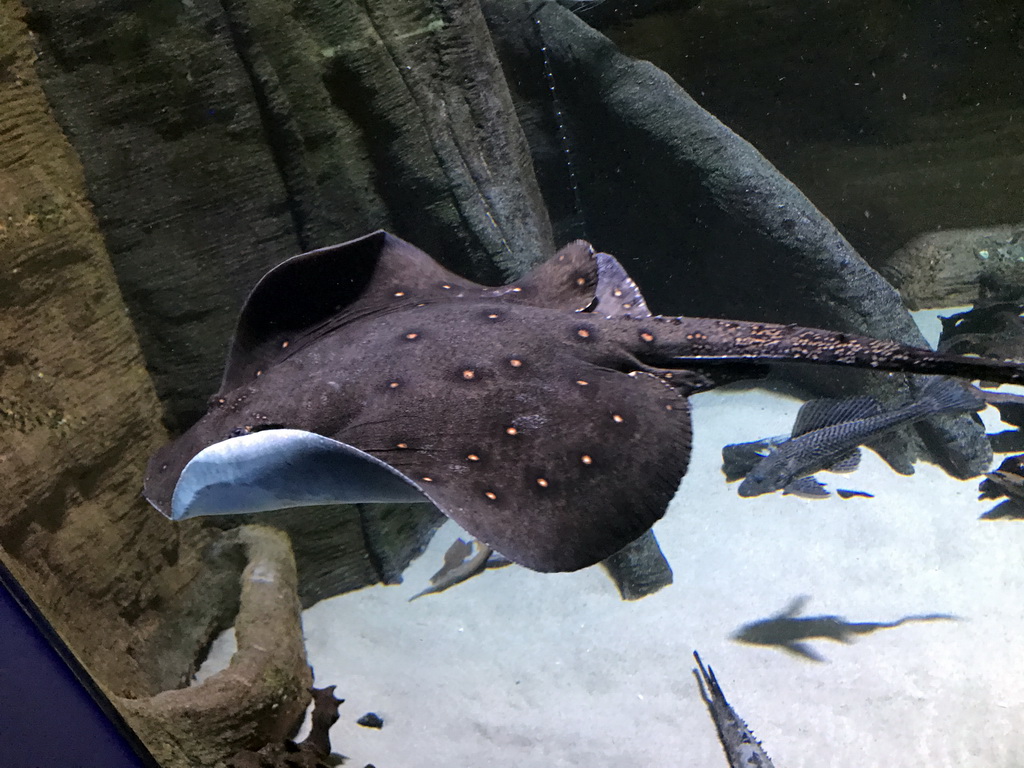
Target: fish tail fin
(940,395)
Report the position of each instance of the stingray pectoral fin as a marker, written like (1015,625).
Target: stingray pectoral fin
(280,468)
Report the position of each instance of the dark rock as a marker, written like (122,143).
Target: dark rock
(221,137)
(1007,441)
(602,14)
(371,720)
(959,266)
(159,106)
(639,569)
(894,118)
(991,328)
(1011,411)
(312,752)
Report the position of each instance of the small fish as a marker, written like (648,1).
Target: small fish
(788,630)
(1006,483)
(846,493)
(460,564)
(742,750)
(1007,480)
(827,433)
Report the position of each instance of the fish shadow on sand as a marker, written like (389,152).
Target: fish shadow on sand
(789,631)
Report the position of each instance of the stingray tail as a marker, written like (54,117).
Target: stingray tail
(681,342)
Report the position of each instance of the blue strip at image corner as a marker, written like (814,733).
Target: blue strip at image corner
(52,714)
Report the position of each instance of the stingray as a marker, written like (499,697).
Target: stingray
(548,417)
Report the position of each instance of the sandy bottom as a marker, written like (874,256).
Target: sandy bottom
(514,668)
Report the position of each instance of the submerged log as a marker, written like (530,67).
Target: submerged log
(263,693)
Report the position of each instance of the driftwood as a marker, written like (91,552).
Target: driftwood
(312,752)
(263,693)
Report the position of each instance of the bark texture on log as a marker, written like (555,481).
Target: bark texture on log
(78,416)
(262,695)
(220,138)
(131,593)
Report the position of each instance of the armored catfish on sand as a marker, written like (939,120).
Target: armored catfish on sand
(547,417)
(827,434)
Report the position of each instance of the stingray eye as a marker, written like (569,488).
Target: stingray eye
(239,431)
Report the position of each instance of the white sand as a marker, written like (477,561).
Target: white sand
(514,668)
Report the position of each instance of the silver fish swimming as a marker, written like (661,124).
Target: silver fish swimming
(827,434)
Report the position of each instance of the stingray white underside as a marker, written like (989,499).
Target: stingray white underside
(281,468)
